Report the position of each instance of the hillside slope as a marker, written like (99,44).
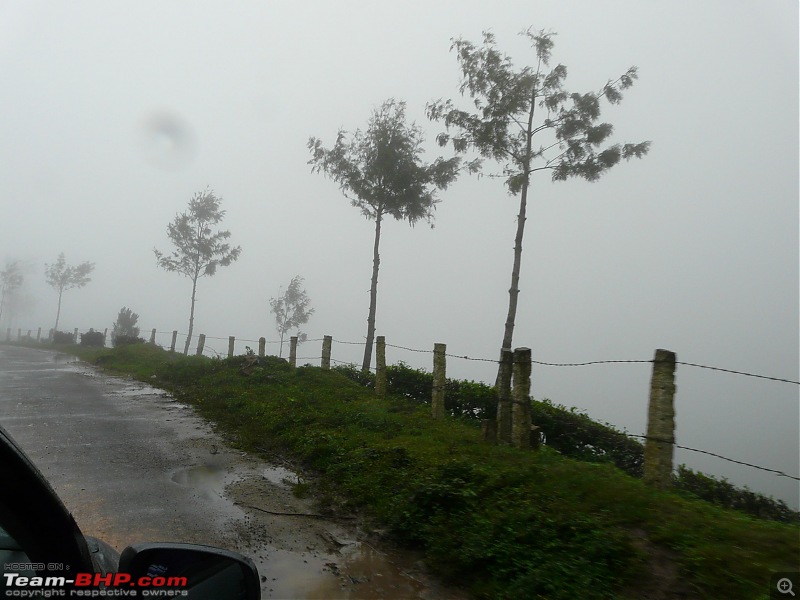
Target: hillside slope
(501,522)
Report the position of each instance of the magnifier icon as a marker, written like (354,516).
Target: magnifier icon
(785,586)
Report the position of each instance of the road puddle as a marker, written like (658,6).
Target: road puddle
(360,573)
(300,553)
(141,390)
(281,477)
(208,480)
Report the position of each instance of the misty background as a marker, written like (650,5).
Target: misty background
(112,118)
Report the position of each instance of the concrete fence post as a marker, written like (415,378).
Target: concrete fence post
(75,336)
(174,340)
(105,335)
(201,342)
(659,447)
(262,347)
(231,345)
(504,396)
(153,336)
(380,366)
(521,403)
(39,335)
(293,351)
(326,352)
(439,380)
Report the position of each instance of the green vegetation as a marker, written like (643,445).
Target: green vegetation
(574,434)
(501,522)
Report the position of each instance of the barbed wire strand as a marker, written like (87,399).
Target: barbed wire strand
(409,349)
(349,364)
(714,454)
(351,343)
(490,360)
(737,372)
(583,364)
(209,337)
(603,362)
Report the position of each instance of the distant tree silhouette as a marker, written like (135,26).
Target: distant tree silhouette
(125,325)
(61,277)
(198,250)
(291,310)
(10,281)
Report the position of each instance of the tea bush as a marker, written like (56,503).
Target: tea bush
(62,337)
(93,338)
(124,340)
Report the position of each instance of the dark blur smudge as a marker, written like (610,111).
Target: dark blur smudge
(168,141)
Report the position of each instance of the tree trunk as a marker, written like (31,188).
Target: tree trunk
(513,291)
(373,295)
(58,313)
(280,352)
(191,318)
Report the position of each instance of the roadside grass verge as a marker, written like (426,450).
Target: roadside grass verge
(500,522)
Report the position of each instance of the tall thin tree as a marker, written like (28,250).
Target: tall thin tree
(526,121)
(198,249)
(382,173)
(61,277)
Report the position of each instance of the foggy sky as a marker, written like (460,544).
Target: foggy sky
(112,118)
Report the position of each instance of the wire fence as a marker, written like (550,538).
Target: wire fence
(714,454)
(232,340)
(449,355)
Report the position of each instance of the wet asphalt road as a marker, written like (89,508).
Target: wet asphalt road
(118,453)
(133,465)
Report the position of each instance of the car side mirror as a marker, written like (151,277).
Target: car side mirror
(202,571)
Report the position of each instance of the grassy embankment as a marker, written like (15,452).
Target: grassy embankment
(501,522)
